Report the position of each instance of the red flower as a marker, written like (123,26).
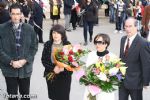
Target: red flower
(80,51)
(70,59)
(71,52)
(61,53)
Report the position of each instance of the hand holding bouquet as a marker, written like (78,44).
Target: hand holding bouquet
(67,58)
(103,76)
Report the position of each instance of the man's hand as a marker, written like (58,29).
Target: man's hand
(16,64)
(22,62)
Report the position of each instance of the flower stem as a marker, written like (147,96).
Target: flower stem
(91,97)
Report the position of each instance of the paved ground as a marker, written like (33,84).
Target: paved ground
(38,84)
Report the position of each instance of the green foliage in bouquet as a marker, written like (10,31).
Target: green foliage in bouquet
(105,75)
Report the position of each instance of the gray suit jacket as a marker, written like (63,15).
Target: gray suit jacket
(138,63)
(29,46)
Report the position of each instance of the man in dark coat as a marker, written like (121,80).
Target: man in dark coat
(134,51)
(18,46)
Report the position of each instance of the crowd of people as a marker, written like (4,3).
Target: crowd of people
(21,22)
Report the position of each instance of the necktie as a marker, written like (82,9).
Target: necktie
(127,47)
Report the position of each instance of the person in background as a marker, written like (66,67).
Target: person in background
(111,11)
(89,17)
(4,13)
(74,16)
(146,18)
(55,6)
(68,6)
(18,46)
(119,16)
(134,52)
(148,38)
(59,87)
(38,20)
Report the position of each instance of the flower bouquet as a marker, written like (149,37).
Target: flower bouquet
(67,57)
(103,76)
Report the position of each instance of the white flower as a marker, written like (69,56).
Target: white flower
(102,76)
(113,71)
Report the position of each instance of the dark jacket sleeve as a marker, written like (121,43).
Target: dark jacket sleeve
(46,57)
(68,3)
(4,58)
(33,46)
(145,60)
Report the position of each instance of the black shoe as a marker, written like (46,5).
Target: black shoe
(85,43)
(90,39)
(68,30)
(74,28)
(41,42)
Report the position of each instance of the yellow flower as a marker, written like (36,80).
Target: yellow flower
(102,68)
(123,70)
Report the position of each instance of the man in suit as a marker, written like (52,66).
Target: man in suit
(134,51)
(18,46)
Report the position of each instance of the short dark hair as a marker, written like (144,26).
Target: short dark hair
(61,30)
(15,6)
(105,38)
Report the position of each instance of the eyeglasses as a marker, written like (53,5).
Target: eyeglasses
(99,42)
(13,14)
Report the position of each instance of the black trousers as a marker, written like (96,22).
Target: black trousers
(39,32)
(13,83)
(135,94)
(87,26)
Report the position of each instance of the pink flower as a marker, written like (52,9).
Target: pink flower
(76,47)
(75,64)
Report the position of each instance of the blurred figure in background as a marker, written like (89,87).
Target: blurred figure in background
(68,6)
(55,6)
(38,20)
(89,17)
(4,13)
(146,18)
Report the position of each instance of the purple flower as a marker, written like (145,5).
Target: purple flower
(119,76)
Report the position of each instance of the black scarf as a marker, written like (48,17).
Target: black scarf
(101,54)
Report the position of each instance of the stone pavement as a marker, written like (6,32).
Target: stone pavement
(38,84)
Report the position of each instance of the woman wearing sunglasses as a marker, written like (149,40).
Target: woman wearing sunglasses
(101,42)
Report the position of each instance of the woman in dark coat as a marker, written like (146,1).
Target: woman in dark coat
(59,87)
(89,17)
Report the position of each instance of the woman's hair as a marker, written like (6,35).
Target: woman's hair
(61,30)
(105,38)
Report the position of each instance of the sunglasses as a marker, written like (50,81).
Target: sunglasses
(99,42)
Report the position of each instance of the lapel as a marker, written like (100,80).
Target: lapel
(11,33)
(133,45)
(122,45)
(23,37)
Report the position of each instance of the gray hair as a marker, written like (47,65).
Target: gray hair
(135,21)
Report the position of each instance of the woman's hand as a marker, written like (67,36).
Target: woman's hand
(58,69)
